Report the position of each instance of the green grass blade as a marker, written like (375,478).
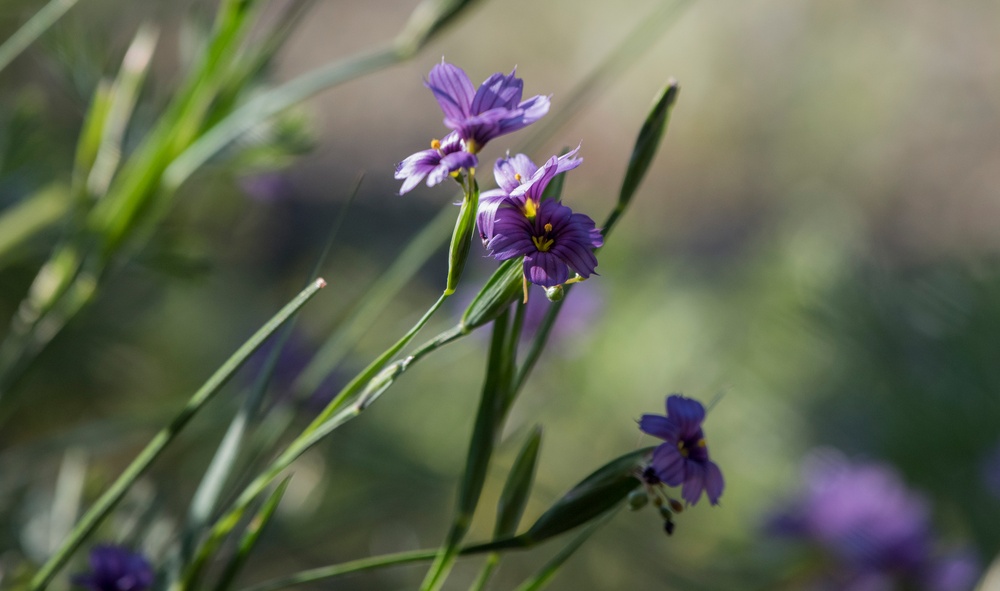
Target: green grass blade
(517,489)
(114,494)
(32,215)
(250,537)
(33,29)
(551,568)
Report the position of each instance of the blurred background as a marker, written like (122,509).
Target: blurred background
(813,255)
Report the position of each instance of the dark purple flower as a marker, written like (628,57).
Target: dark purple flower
(478,116)
(871,525)
(683,459)
(436,164)
(519,180)
(551,240)
(113,568)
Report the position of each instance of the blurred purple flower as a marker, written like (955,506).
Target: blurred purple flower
(478,116)
(683,459)
(295,356)
(872,526)
(576,319)
(265,186)
(436,164)
(113,568)
(519,180)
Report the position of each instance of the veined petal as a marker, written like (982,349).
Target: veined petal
(415,167)
(577,256)
(449,164)
(526,113)
(452,89)
(489,202)
(498,91)
(568,161)
(507,170)
(545,269)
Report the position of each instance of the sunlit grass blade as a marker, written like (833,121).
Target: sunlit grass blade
(20,222)
(551,568)
(250,537)
(164,437)
(33,29)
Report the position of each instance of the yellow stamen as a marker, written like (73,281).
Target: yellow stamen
(517,177)
(542,244)
(530,209)
(435,144)
(682,449)
(548,228)
(525,289)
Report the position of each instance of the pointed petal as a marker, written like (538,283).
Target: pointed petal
(659,426)
(686,413)
(669,464)
(498,91)
(545,269)
(714,482)
(694,482)
(452,89)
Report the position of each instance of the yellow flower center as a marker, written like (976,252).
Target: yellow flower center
(543,243)
(471,146)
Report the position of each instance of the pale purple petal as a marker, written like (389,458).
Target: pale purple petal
(508,170)
(489,202)
(527,113)
(449,164)
(498,91)
(415,167)
(669,464)
(452,89)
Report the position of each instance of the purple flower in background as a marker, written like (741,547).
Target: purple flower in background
(113,568)
(492,110)
(266,186)
(436,164)
(519,181)
(872,526)
(551,240)
(683,459)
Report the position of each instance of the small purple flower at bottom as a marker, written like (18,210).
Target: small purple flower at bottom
(436,164)
(113,568)
(683,458)
(552,241)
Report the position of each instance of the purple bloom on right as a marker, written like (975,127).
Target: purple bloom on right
(873,529)
(683,458)
(113,568)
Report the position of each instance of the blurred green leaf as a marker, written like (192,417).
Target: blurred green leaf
(250,537)
(517,489)
(33,29)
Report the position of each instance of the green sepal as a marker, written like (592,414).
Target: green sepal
(461,238)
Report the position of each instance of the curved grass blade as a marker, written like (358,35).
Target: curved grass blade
(114,494)
(251,536)
(552,567)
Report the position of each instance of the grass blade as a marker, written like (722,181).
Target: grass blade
(33,29)
(251,536)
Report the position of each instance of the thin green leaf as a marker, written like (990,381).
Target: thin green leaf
(32,215)
(500,291)
(551,568)
(517,489)
(646,145)
(426,21)
(33,29)
(114,494)
(250,537)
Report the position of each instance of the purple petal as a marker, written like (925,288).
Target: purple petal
(545,269)
(567,161)
(577,256)
(489,202)
(497,91)
(669,464)
(507,170)
(686,413)
(452,89)
(449,164)
(415,167)
(694,482)
(527,113)
(714,482)
(659,426)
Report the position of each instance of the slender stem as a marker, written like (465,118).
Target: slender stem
(114,494)
(33,29)
(491,564)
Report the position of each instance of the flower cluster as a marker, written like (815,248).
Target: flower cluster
(874,531)
(513,220)
(113,568)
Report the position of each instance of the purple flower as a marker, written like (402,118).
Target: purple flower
(116,569)
(519,180)
(441,160)
(478,116)
(551,240)
(871,525)
(683,459)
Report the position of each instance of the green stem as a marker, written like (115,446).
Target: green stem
(491,564)
(114,494)
(33,29)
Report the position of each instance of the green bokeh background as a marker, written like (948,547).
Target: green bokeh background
(814,251)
